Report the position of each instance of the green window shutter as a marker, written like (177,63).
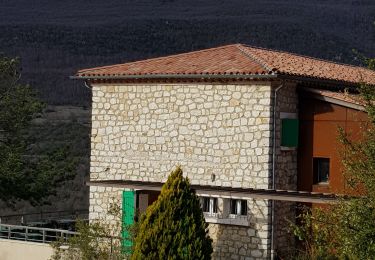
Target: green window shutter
(289,132)
(127,217)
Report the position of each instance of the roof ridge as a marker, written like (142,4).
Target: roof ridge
(160,58)
(239,46)
(254,58)
(237,59)
(306,56)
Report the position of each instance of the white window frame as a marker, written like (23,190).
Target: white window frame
(238,208)
(211,206)
(223,215)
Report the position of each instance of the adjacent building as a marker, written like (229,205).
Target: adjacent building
(254,130)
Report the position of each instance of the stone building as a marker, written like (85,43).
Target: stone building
(230,117)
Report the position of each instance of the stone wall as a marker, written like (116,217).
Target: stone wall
(244,242)
(141,132)
(101,200)
(286,171)
(106,207)
(286,160)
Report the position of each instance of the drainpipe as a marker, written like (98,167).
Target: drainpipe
(274,169)
(87,85)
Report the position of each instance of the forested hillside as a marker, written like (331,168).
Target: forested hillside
(54,38)
(57,127)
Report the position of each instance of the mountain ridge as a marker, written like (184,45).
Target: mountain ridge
(56,38)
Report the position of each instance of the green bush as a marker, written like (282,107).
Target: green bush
(97,240)
(174,226)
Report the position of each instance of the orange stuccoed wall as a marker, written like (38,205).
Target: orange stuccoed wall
(319,124)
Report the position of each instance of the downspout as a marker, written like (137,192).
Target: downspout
(274,170)
(87,85)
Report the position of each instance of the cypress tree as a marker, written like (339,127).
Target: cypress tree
(173,227)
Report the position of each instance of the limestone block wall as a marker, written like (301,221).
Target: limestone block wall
(244,242)
(219,134)
(101,199)
(286,171)
(286,160)
(141,132)
(102,202)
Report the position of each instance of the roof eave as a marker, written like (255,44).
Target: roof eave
(320,81)
(227,192)
(176,76)
(313,93)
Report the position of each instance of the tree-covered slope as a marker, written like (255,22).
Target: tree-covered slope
(55,38)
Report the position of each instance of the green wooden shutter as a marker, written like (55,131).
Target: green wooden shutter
(289,132)
(127,217)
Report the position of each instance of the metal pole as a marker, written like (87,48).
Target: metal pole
(111,247)
(274,171)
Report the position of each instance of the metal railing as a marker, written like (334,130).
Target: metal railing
(34,234)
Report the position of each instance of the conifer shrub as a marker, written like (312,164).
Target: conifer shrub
(173,227)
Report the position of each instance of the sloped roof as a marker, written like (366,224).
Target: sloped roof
(234,60)
(345,99)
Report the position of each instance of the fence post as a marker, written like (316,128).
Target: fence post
(111,246)
(26,233)
(44,236)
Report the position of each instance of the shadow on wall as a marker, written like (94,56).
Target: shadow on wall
(285,241)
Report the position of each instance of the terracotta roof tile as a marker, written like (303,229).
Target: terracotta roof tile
(351,98)
(236,59)
(292,64)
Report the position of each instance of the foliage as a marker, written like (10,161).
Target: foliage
(23,175)
(98,240)
(342,231)
(173,227)
(346,230)
(53,50)
(18,102)
(313,233)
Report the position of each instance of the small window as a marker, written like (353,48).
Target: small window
(238,207)
(209,205)
(321,170)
